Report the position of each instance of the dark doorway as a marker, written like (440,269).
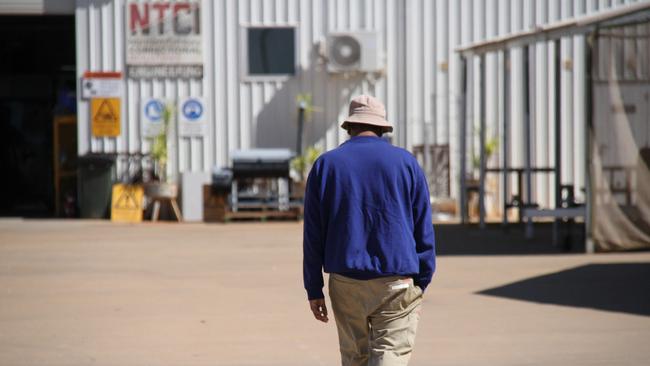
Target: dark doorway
(37,84)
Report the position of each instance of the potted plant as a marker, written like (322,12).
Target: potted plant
(163,187)
(473,179)
(301,165)
(491,146)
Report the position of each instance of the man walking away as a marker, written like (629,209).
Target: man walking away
(368,224)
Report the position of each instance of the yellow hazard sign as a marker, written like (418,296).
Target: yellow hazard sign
(105,115)
(127,203)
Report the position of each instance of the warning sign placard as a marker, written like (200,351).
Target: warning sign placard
(127,203)
(105,117)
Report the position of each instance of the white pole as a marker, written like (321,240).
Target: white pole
(579,105)
(442,76)
(466,33)
(474,122)
(567,125)
(553,88)
(428,72)
(503,26)
(454,93)
(541,111)
(478,9)
(413,70)
(492,103)
(481,195)
(516,99)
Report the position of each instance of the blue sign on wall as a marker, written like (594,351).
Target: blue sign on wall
(153,110)
(192,109)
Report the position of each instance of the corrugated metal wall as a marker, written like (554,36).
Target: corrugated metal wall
(420,88)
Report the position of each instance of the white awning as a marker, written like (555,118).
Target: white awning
(630,14)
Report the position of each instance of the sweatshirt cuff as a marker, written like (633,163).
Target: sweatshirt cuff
(315,293)
(421,284)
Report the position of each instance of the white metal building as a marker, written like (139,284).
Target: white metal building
(420,82)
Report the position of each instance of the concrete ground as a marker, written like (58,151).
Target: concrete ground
(96,293)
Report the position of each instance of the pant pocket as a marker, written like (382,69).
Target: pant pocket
(400,295)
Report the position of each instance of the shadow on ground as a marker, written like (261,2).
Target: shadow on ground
(619,287)
(495,239)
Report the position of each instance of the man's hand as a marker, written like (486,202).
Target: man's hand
(319,309)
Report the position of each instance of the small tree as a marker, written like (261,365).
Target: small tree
(491,146)
(159,147)
(303,163)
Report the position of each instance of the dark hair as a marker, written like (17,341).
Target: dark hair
(361,127)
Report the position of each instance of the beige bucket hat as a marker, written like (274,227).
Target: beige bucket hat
(367,110)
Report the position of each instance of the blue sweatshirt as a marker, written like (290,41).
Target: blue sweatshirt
(367,215)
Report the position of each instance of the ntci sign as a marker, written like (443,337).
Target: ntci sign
(163,39)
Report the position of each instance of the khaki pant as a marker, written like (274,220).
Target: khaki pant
(376,319)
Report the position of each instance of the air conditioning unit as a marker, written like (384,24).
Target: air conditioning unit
(353,51)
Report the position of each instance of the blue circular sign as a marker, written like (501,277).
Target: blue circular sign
(154,110)
(192,109)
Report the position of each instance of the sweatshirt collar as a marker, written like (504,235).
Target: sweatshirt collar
(366,139)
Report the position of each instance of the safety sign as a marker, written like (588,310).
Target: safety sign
(152,116)
(105,117)
(192,109)
(101,85)
(192,117)
(127,203)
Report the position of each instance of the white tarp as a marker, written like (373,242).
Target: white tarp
(620,160)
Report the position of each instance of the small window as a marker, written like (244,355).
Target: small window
(271,51)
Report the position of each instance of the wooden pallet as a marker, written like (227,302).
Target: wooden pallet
(263,215)
(216,209)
